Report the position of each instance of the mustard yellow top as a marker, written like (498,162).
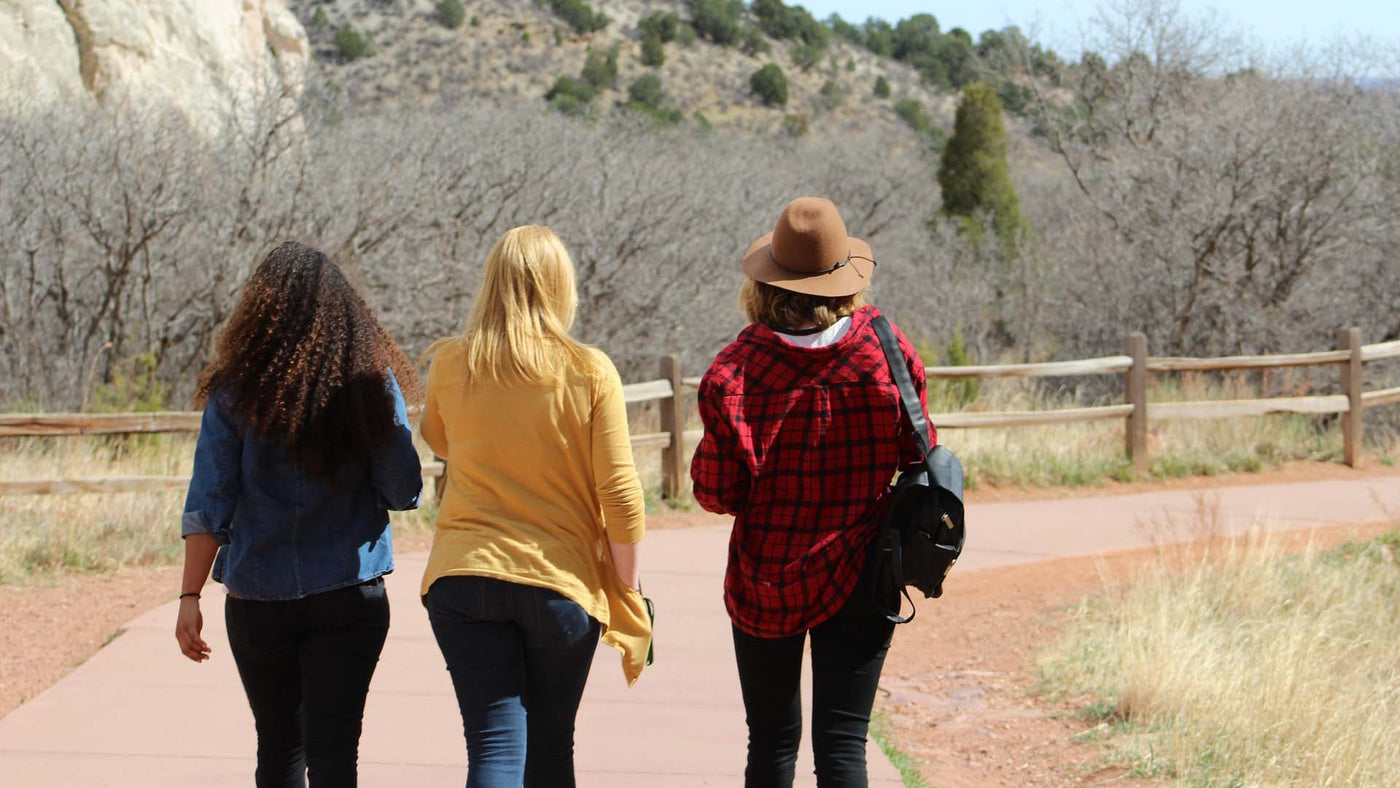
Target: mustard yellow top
(539,479)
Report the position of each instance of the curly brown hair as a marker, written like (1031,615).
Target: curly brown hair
(304,362)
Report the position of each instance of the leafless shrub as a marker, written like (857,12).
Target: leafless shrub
(130,234)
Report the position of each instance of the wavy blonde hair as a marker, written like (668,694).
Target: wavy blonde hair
(518,329)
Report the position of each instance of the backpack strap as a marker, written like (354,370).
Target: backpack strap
(914,410)
(899,370)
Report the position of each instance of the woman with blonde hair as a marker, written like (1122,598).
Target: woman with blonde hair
(803,432)
(536,550)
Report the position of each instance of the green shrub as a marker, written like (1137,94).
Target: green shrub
(599,69)
(646,91)
(805,56)
(133,386)
(882,87)
(770,85)
(833,94)
(754,42)
(475,21)
(845,29)
(580,15)
(790,22)
(646,95)
(795,125)
(911,111)
(351,44)
(963,391)
(319,20)
(451,13)
(571,96)
(879,37)
(661,24)
(717,20)
(685,35)
(1014,98)
(653,50)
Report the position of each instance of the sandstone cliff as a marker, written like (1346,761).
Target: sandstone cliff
(198,56)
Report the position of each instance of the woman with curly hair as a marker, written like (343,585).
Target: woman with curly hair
(303,447)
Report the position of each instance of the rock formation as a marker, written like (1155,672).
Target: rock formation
(201,57)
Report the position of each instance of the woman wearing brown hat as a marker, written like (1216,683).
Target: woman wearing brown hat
(803,433)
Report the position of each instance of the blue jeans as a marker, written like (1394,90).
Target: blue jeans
(519,658)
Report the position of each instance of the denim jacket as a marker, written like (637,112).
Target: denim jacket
(284,535)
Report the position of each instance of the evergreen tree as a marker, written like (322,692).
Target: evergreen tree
(973,173)
(882,87)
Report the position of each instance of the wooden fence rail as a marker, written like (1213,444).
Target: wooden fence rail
(674,440)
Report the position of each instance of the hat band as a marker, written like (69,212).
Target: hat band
(836,267)
(828,270)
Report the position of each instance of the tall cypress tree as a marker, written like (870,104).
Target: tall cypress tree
(973,172)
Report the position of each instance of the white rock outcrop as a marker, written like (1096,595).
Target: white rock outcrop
(202,57)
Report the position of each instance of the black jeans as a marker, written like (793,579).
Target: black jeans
(848,652)
(306,665)
(519,658)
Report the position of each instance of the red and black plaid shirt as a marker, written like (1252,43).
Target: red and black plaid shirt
(800,446)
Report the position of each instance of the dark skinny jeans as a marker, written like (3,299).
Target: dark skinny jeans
(519,658)
(306,666)
(848,653)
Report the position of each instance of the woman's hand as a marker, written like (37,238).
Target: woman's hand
(188,626)
(200,549)
(627,561)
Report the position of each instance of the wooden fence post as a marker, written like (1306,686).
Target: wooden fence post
(1350,339)
(1136,431)
(673,474)
(440,483)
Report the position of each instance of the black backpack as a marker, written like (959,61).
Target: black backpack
(922,533)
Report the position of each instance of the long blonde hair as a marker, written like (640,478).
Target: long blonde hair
(518,330)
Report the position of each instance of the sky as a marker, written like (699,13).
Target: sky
(1273,23)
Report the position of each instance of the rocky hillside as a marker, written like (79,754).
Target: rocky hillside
(201,56)
(508,49)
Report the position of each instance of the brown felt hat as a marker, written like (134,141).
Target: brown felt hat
(810,252)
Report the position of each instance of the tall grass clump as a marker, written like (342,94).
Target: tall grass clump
(1252,667)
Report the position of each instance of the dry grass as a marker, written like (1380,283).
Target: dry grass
(45,533)
(39,534)
(1251,667)
(1093,452)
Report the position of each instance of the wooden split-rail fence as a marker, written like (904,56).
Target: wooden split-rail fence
(673,439)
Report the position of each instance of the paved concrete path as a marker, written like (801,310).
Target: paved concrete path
(139,714)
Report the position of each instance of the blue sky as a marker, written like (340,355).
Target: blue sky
(1273,23)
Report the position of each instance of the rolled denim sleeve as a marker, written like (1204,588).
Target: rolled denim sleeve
(395,469)
(213,494)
